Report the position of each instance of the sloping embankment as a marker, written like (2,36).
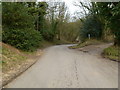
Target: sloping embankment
(14,62)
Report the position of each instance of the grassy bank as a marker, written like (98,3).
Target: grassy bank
(15,61)
(12,57)
(86,43)
(112,53)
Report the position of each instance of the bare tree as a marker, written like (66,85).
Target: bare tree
(56,15)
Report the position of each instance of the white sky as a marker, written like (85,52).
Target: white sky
(70,4)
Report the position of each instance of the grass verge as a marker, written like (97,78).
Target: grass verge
(11,59)
(86,43)
(15,61)
(112,53)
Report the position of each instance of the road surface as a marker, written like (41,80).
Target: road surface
(60,67)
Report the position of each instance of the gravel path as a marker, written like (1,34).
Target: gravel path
(60,67)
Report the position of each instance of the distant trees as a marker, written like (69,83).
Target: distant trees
(56,16)
(49,31)
(60,23)
(57,23)
(92,27)
(70,30)
(110,11)
(38,11)
(107,14)
(26,24)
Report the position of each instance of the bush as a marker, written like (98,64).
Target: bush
(24,39)
(18,27)
(15,15)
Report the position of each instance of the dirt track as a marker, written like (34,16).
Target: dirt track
(60,67)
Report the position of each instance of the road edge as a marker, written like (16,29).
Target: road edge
(24,67)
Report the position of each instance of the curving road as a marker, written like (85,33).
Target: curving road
(60,67)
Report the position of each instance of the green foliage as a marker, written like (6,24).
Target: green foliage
(38,11)
(41,12)
(110,11)
(109,14)
(91,26)
(24,39)
(15,15)
(18,27)
(70,30)
(48,35)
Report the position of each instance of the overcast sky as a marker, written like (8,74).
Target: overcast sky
(70,4)
(72,7)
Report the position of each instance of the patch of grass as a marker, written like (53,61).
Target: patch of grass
(86,43)
(10,59)
(112,52)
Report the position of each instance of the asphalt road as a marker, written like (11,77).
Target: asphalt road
(60,67)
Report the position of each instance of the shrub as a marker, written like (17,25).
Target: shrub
(18,27)
(24,39)
(15,15)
